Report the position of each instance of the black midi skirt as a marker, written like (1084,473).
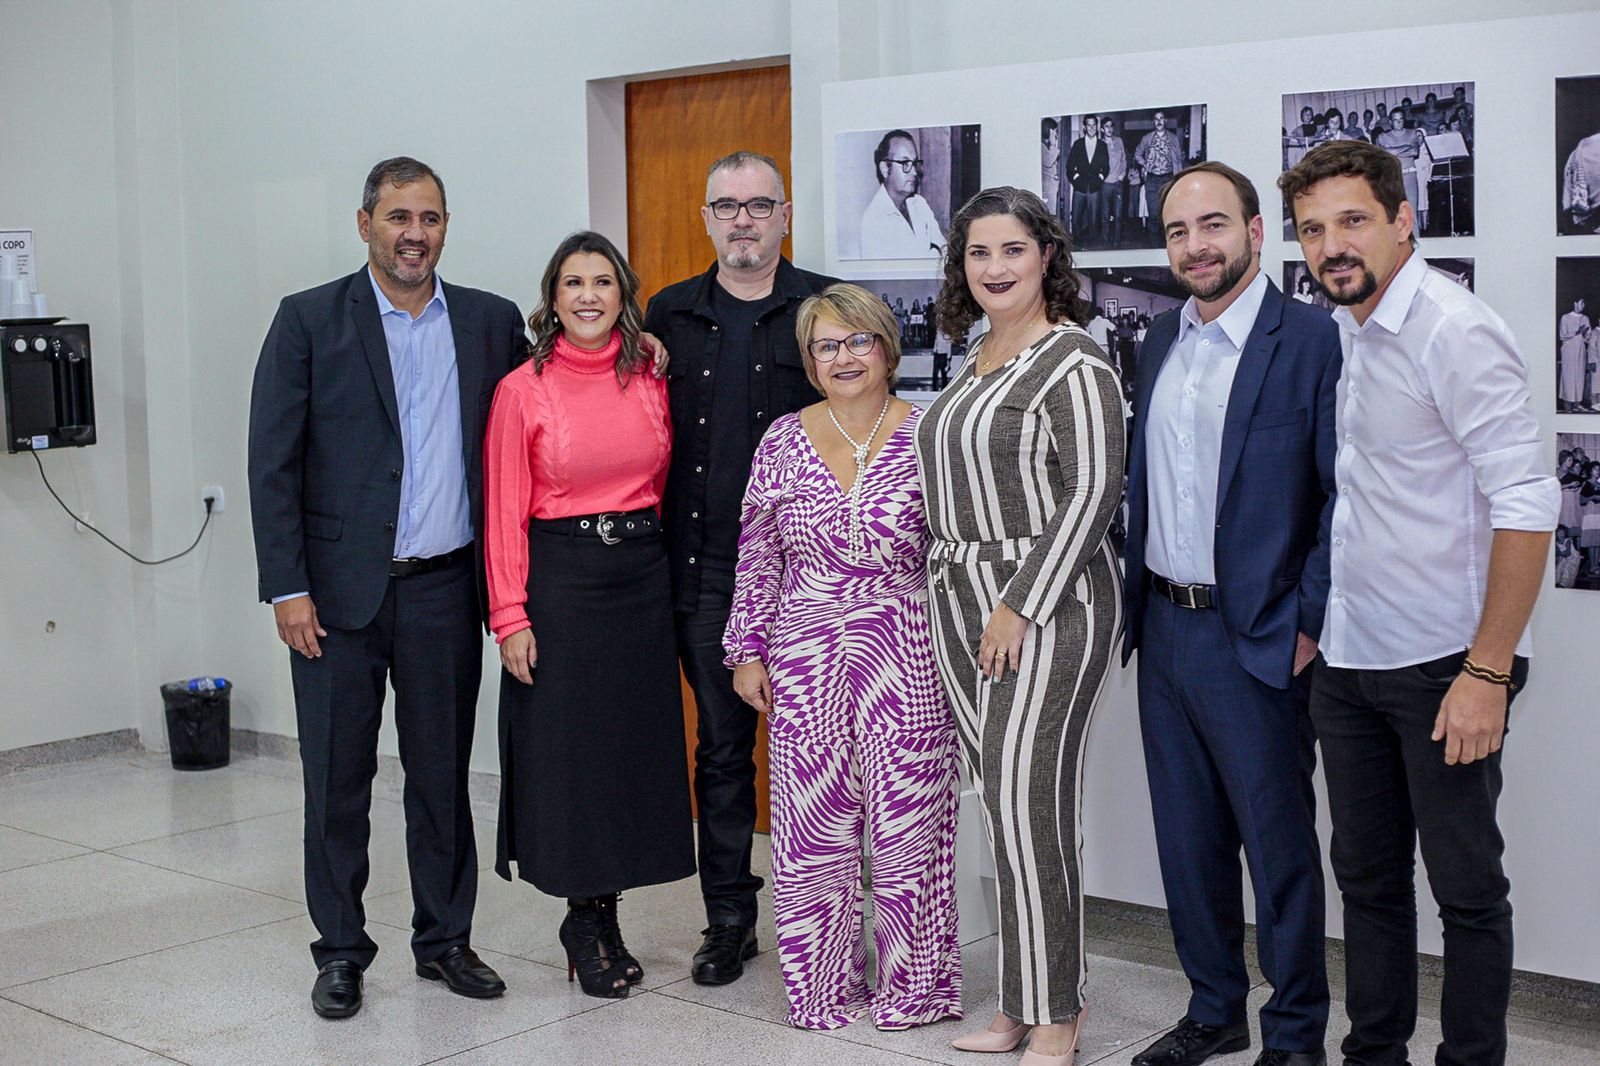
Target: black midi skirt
(594,788)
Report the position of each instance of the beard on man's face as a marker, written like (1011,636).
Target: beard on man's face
(1356,288)
(1224,280)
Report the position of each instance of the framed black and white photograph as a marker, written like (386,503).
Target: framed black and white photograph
(928,359)
(1578,155)
(1428,127)
(1300,284)
(1577,541)
(895,190)
(1124,301)
(1102,173)
(1577,339)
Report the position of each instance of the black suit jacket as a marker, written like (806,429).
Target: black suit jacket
(1087,173)
(326,457)
(1275,487)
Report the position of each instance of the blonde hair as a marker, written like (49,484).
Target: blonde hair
(854,308)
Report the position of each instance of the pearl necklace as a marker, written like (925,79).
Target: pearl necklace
(857,542)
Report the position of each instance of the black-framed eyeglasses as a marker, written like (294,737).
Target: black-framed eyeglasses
(827,349)
(907,165)
(728,210)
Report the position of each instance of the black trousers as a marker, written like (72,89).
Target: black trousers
(725,766)
(426,641)
(1388,788)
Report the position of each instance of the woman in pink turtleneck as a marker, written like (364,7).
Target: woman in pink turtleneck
(594,793)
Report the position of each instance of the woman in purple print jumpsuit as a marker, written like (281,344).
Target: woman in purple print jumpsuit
(830,613)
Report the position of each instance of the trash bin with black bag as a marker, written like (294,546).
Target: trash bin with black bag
(198,712)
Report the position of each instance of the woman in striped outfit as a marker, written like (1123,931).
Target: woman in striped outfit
(1021,460)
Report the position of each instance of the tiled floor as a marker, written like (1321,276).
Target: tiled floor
(150,916)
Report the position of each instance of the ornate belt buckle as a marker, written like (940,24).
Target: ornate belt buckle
(603,525)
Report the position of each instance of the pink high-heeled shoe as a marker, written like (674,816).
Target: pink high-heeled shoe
(1031,1057)
(990,1041)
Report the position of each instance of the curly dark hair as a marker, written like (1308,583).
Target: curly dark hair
(546,326)
(958,308)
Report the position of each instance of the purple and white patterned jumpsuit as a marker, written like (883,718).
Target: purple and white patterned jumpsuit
(862,743)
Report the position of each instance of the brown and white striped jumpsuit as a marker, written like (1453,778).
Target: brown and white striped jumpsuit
(1022,473)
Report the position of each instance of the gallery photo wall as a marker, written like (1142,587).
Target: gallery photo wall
(1101,172)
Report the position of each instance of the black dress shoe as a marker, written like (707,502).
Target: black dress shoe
(1274,1057)
(463,973)
(337,993)
(1192,1043)
(722,954)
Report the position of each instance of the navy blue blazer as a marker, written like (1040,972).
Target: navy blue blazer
(326,457)
(1275,488)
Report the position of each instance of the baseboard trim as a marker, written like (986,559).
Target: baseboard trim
(1142,926)
(72,749)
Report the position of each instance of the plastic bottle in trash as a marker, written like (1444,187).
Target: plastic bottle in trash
(206,684)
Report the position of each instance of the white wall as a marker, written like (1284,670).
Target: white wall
(1553,860)
(186,163)
(57,177)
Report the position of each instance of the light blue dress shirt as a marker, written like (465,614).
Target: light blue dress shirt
(1183,436)
(435,513)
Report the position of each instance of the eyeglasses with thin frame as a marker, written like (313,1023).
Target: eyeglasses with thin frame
(759,207)
(827,349)
(907,165)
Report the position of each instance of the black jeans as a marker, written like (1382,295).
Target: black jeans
(724,755)
(1388,788)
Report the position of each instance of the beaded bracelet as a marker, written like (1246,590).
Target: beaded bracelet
(1484,673)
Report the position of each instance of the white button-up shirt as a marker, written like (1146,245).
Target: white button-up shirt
(885,233)
(1183,436)
(1438,447)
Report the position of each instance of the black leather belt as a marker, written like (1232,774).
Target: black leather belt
(1194,597)
(612,527)
(413,567)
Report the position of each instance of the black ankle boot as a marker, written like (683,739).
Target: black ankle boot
(611,934)
(588,957)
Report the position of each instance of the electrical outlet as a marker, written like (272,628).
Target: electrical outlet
(215,494)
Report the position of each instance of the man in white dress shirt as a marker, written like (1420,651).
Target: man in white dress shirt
(1440,535)
(898,223)
(1230,490)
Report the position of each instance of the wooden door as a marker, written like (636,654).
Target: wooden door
(676,127)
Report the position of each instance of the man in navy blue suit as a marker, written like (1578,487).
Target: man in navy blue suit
(1230,493)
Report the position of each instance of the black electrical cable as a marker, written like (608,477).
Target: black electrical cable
(142,562)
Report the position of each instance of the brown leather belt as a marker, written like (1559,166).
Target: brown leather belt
(1194,597)
(413,567)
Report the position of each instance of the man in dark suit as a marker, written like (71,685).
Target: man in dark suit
(1088,163)
(1230,493)
(366,492)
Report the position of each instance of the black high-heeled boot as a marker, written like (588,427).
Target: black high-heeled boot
(588,957)
(611,934)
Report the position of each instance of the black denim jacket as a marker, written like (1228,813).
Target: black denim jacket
(682,316)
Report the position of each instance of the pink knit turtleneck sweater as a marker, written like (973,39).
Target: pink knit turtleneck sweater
(569,441)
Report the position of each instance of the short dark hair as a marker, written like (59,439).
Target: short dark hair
(880,154)
(958,308)
(740,159)
(1335,159)
(401,170)
(1046,128)
(1249,199)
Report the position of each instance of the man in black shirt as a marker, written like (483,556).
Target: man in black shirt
(735,368)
